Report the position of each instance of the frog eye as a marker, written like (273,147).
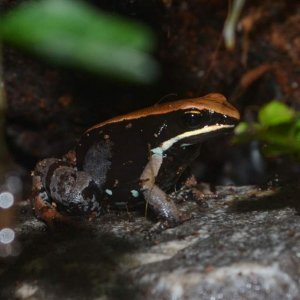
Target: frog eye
(192,119)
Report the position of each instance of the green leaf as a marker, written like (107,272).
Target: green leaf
(275,113)
(274,150)
(72,33)
(296,132)
(241,128)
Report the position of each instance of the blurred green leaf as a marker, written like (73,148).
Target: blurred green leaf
(296,132)
(273,150)
(275,113)
(241,128)
(74,34)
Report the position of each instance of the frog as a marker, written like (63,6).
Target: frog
(130,159)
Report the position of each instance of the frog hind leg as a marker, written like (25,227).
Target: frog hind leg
(58,185)
(157,199)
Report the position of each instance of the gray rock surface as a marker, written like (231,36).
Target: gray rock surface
(242,243)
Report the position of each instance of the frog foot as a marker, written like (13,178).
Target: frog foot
(42,207)
(162,205)
(48,213)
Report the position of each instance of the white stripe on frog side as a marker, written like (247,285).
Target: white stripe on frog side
(169,143)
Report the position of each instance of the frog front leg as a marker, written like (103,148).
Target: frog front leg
(158,200)
(60,190)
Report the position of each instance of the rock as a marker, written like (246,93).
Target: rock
(242,243)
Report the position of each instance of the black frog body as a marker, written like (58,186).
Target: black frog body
(131,158)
